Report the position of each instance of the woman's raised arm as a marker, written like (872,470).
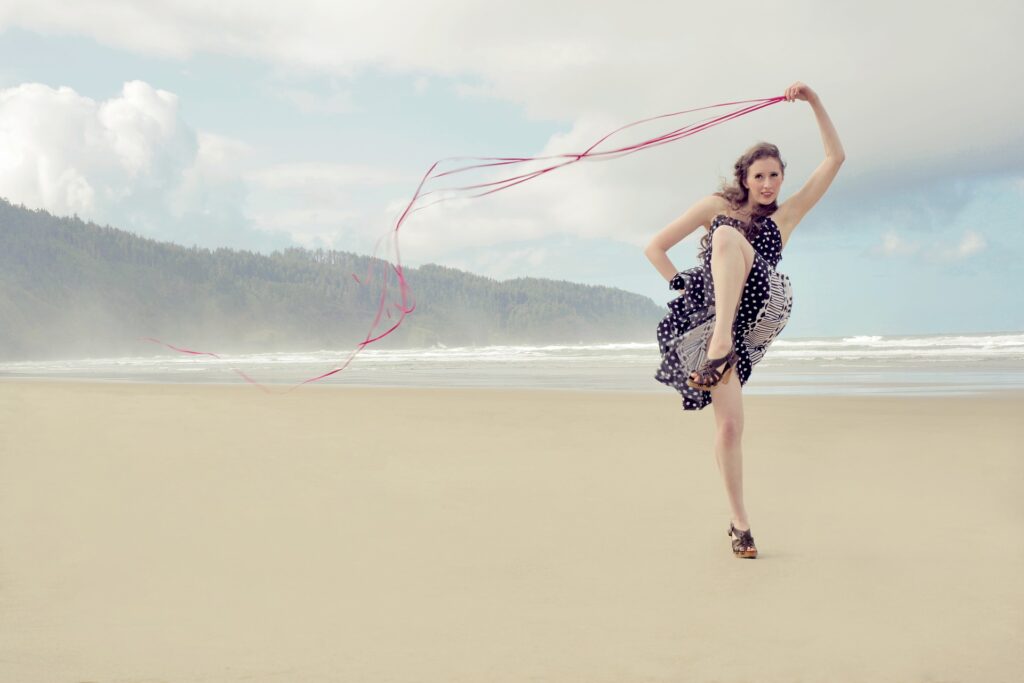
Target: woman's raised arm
(792,211)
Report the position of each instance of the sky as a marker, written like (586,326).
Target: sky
(261,126)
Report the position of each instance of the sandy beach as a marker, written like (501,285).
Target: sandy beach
(182,533)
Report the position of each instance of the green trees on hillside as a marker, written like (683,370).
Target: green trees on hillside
(70,287)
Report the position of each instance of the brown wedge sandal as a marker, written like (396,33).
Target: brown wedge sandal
(709,375)
(743,542)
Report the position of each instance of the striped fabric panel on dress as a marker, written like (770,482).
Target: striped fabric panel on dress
(772,317)
(692,347)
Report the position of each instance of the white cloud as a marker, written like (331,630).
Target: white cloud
(312,102)
(143,125)
(908,112)
(504,264)
(129,161)
(325,175)
(212,177)
(972,243)
(320,204)
(894,244)
(912,106)
(132,162)
(70,154)
(309,227)
(626,201)
(437,231)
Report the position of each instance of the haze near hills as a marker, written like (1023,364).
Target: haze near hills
(71,289)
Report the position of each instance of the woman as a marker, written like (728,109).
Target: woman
(735,304)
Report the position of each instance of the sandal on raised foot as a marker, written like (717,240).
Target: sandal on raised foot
(710,376)
(742,543)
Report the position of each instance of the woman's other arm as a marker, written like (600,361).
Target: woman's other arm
(697,215)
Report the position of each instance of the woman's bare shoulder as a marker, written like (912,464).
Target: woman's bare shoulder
(715,206)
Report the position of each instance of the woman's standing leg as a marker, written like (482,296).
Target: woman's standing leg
(727,400)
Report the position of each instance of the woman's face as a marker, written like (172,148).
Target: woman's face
(764,178)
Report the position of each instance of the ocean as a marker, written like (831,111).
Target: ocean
(856,365)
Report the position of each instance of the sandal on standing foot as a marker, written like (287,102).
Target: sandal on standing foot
(743,542)
(709,375)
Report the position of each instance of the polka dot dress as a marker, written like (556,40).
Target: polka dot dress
(764,309)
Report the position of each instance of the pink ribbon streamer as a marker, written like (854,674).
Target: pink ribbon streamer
(403,306)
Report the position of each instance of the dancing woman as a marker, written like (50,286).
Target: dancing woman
(734,305)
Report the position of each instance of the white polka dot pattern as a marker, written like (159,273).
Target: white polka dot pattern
(765,306)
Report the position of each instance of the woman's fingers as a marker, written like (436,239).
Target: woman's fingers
(797,91)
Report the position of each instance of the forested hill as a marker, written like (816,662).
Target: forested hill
(75,289)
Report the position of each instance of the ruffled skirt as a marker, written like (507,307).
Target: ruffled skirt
(683,335)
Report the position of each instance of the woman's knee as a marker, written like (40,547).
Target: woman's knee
(726,234)
(727,237)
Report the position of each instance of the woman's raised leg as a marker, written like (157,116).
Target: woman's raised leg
(732,257)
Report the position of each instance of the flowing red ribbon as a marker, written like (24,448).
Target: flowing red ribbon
(404,306)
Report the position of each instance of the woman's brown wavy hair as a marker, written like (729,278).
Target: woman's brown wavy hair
(737,193)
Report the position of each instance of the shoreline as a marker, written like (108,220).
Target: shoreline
(861,365)
(902,391)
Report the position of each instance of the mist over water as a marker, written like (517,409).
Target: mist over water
(857,365)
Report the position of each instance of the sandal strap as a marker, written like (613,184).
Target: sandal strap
(710,369)
(743,540)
